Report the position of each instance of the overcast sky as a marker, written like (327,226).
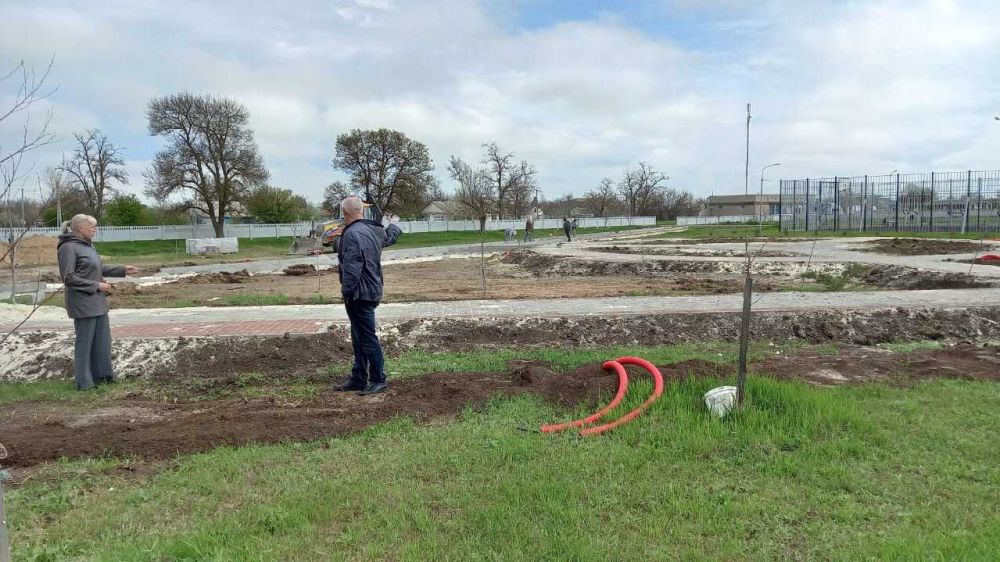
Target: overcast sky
(580,88)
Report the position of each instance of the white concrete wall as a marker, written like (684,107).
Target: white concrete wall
(183,232)
(691,221)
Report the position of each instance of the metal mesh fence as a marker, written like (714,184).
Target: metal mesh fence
(924,202)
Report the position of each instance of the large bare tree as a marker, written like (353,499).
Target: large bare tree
(513,181)
(392,169)
(639,188)
(603,198)
(211,157)
(95,163)
(476,191)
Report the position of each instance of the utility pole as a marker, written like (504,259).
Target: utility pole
(746,171)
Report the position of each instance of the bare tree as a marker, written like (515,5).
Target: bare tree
(211,156)
(603,198)
(391,168)
(334,193)
(513,181)
(476,190)
(27,88)
(21,89)
(638,188)
(95,162)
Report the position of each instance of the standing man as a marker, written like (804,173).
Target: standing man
(359,254)
(566,228)
(529,230)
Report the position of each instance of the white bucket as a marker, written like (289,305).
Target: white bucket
(721,400)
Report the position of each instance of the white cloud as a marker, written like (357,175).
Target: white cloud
(839,88)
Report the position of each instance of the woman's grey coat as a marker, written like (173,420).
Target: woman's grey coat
(82,271)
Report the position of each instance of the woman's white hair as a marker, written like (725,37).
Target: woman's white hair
(74,224)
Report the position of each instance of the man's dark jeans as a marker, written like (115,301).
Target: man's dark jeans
(369,364)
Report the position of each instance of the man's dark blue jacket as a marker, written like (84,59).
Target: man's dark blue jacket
(359,253)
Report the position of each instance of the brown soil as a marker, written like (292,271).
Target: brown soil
(908,278)
(34,251)
(225,357)
(37,432)
(449,280)
(752,240)
(223,277)
(922,247)
(681,252)
(46,431)
(867,364)
(300,269)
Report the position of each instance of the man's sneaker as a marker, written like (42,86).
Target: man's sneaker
(374,388)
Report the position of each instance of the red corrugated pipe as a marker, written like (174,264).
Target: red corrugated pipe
(617,365)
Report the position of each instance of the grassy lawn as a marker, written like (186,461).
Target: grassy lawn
(866,472)
(173,251)
(771,230)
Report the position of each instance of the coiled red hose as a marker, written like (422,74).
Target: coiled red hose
(617,365)
(622,388)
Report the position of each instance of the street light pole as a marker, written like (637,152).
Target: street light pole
(746,170)
(762,175)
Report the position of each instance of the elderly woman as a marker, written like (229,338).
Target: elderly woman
(86,300)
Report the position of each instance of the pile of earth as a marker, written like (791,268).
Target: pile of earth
(912,279)
(680,252)
(221,277)
(300,269)
(153,429)
(39,432)
(552,266)
(723,240)
(922,247)
(33,251)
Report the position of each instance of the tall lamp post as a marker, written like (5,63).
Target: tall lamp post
(762,175)
(760,211)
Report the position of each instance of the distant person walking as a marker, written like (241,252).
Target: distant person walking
(359,254)
(510,233)
(567,228)
(529,230)
(573,227)
(83,276)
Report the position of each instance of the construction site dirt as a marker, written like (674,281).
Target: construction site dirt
(143,429)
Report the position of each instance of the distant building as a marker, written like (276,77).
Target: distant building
(737,205)
(444,211)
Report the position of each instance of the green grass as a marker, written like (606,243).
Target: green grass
(416,362)
(62,390)
(320,298)
(173,251)
(771,230)
(911,346)
(252,299)
(804,473)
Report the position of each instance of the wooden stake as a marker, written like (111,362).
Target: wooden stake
(741,373)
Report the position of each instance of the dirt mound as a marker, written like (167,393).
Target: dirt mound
(299,269)
(151,429)
(34,251)
(551,266)
(687,252)
(865,364)
(863,327)
(908,278)
(221,277)
(752,240)
(223,357)
(922,247)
